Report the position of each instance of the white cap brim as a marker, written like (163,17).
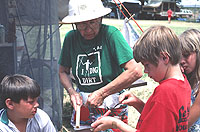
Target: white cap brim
(86,17)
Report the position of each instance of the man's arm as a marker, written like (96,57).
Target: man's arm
(65,79)
(133,71)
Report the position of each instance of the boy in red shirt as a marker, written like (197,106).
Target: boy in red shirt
(167,110)
(169,13)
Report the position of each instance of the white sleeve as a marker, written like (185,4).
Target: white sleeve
(44,121)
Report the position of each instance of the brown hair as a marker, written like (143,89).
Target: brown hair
(17,87)
(155,40)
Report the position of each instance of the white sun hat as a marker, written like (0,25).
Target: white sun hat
(84,10)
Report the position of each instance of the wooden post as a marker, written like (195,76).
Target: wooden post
(78,112)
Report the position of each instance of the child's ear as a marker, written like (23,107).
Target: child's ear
(165,57)
(9,103)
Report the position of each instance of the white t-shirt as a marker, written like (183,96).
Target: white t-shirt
(39,123)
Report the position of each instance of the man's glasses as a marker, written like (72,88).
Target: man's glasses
(84,25)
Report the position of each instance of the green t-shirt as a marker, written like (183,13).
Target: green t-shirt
(108,49)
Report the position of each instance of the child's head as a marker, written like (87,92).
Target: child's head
(18,87)
(157,40)
(190,46)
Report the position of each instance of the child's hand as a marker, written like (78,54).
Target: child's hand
(104,123)
(131,100)
(128,98)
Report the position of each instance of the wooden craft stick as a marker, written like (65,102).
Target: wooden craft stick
(78,111)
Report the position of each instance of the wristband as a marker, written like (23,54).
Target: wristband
(69,88)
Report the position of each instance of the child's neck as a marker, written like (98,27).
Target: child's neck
(20,123)
(174,72)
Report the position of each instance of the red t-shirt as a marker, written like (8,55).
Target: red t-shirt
(169,12)
(167,109)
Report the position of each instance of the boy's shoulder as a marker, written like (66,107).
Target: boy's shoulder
(41,113)
(41,117)
(43,120)
(5,126)
(3,116)
(173,86)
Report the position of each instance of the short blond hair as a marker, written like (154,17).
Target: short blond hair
(155,40)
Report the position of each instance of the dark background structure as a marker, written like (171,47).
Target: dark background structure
(32,47)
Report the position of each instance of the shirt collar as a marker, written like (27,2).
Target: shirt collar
(4,117)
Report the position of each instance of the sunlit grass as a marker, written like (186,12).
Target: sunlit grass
(177,26)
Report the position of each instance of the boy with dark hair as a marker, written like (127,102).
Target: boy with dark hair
(20,113)
(167,110)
